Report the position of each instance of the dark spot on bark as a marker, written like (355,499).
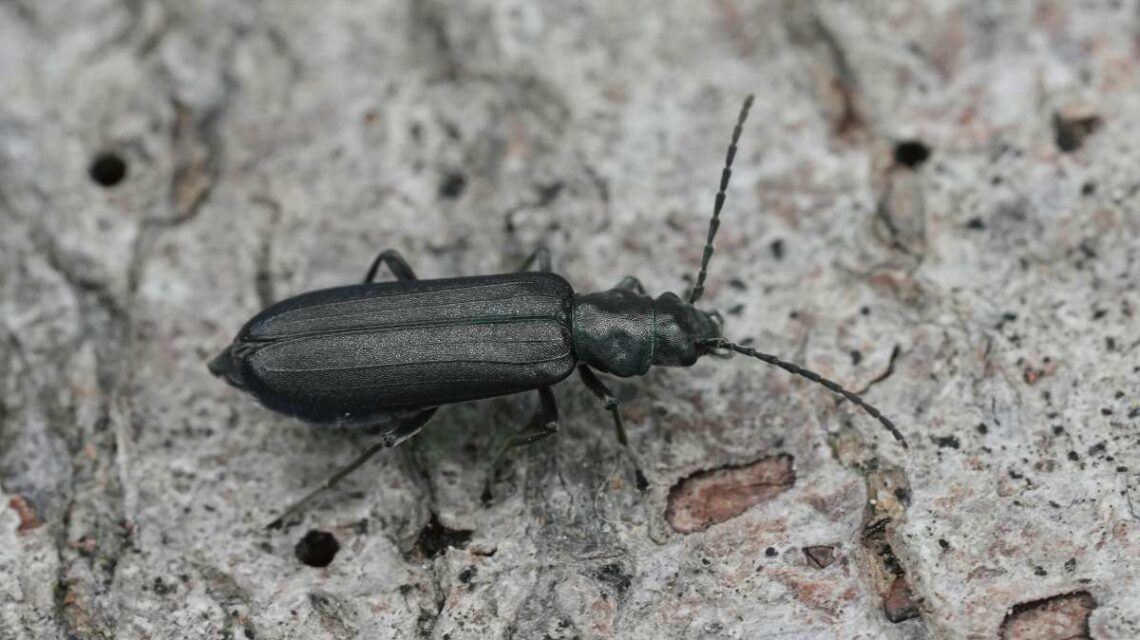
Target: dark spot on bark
(1040,571)
(946,442)
(317,548)
(865,310)
(771,552)
(898,605)
(975,224)
(1098,449)
(614,575)
(738,284)
(911,153)
(710,497)
(903,495)
(452,186)
(467,574)
(982,428)
(777,249)
(1061,617)
(1074,456)
(548,192)
(1088,188)
(108,169)
(856,357)
(435,538)
(1006,318)
(1071,565)
(820,556)
(1071,131)
(161,588)
(945,544)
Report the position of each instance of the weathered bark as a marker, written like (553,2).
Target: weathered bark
(934,203)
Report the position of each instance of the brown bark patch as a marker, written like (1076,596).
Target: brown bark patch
(28,518)
(820,556)
(898,604)
(1063,617)
(711,497)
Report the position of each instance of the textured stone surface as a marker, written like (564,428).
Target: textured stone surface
(934,201)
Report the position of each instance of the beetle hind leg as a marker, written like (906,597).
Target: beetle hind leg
(396,264)
(541,256)
(613,405)
(392,438)
(543,425)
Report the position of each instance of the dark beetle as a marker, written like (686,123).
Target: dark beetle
(388,354)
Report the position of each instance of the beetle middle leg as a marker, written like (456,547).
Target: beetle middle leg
(543,425)
(613,405)
(396,264)
(392,438)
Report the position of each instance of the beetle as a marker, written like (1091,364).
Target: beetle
(388,354)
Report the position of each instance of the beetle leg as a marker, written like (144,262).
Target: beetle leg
(631,283)
(396,264)
(541,255)
(613,405)
(543,425)
(391,439)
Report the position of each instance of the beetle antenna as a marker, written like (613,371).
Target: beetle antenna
(714,222)
(720,343)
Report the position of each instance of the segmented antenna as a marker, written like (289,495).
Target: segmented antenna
(721,343)
(714,222)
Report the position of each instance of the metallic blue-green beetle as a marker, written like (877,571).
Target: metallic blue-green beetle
(387,354)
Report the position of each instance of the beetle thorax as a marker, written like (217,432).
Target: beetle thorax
(623,332)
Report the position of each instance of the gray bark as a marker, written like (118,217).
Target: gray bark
(984,297)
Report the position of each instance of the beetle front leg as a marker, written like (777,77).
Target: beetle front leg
(613,405)
(392,438)
(396,264)
(543,425)
(541,255)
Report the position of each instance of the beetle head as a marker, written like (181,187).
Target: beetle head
(681,331)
